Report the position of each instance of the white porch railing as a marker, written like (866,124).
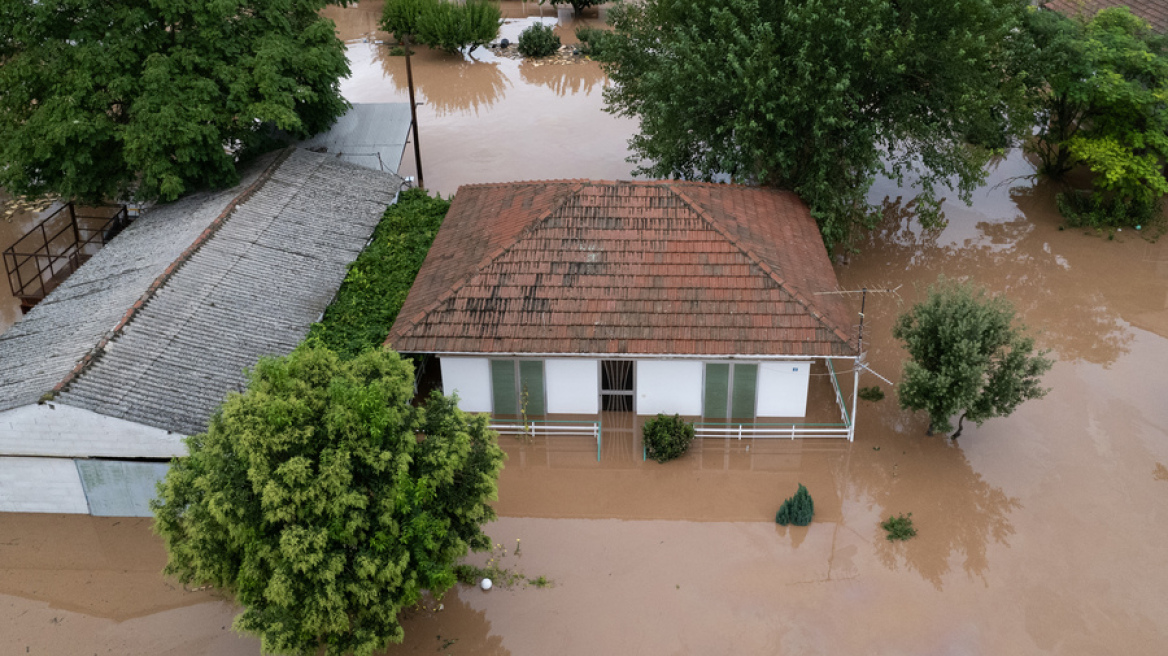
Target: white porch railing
(839,397)
(769,431)
(551,429)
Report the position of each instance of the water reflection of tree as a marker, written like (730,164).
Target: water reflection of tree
(563,79)
(1067,303)
(955,510)
(448,83)
(448,626)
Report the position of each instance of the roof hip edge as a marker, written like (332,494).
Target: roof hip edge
(762,264)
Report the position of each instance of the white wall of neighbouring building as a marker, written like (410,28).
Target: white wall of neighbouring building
(56,429)
(782,389)
(41,485)
(470,378)
(669,387)
(573,386)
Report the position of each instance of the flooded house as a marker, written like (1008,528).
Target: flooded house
(562,306)
(103,378)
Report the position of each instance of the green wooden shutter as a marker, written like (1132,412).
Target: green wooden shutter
(745,386)
(717,386)
(503,387)
(531,378)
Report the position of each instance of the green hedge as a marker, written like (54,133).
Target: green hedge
(377,283)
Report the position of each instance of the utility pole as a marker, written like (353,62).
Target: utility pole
(414,115)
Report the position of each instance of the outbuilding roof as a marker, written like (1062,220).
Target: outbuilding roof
(159,325)
(1153,11)
(644,267)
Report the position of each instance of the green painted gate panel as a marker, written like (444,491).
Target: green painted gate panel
(745,390)
(717,387)
(531,381)
(503,388)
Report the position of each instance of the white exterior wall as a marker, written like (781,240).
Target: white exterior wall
(669,387)
(41,485)
(55,429)
(573,386)
(782,389)
(470,378)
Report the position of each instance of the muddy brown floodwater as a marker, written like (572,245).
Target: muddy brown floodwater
(1041,533)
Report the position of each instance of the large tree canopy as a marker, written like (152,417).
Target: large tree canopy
(820,96)
(313,501)
(98,98)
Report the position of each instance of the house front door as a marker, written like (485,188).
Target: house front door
(616,385)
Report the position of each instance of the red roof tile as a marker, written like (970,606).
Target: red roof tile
(1153,11)
(661,267)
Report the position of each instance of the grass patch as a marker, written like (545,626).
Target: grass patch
(379,280)
(899,527)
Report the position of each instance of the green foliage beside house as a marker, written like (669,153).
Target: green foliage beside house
(380,279)
(443,25)
(312,502)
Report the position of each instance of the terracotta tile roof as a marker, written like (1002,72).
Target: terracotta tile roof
(1153,11)
(584,267)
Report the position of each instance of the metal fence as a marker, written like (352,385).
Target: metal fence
(552,429)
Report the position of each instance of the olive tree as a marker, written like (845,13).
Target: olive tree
(967,356)
(325,503)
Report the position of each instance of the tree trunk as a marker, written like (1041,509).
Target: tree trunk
(959,427)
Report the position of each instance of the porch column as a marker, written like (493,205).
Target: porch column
(855,396)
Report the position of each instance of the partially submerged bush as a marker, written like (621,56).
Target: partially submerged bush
(796,510)
(593,40)
(666,437)
(539,40)
(456,28)
(899,527)
(873,393)
(1103,212)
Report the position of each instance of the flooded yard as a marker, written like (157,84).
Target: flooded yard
(1041,533)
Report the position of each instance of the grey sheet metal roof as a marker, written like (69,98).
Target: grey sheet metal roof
(372,135)
(252,287)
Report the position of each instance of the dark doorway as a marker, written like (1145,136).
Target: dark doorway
(616,385)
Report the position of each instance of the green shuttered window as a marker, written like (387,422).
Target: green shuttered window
(717,390)
(730,390)
(503,387)
(531,381)
(745,386)
(509,378)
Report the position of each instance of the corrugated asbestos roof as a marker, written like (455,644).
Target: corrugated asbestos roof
(625,268)
(160,324)
(372,135)
(1153,11)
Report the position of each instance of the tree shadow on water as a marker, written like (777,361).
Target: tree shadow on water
(563,79)
(448,83)
(957,514)
(448,626)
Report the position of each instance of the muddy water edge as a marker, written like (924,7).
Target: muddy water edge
(1038,534)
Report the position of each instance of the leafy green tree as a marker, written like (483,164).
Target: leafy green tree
(820,97)
(1104,101)
(312,500)
(400,17)
(578,6)
(966,356)
(99,99)
(443,25)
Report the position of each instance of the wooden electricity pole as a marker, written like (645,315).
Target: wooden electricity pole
(414,115)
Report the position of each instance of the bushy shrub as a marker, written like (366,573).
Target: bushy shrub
(539,40)
(593,40)
(873,393)
(445,25)
(796,510)
(400,17)
(666,437)
(899,527)
(1102,212)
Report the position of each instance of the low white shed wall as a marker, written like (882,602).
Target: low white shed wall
(56,429)
(669,387)
(573,386)
(782,389)
(470,378)
(41,485)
